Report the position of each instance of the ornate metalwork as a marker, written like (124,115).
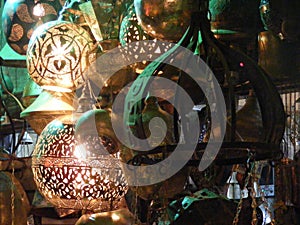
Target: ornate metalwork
(58,54)
(130,30)
(71,176)
(19,20)
(229,59)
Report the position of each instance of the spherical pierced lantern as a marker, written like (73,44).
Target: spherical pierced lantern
(130,30)
(21,17)
(70,176)
(58,54)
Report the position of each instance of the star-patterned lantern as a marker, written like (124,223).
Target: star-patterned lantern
(59,52)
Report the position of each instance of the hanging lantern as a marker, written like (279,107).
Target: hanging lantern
(130,30)
(280,59)
(109,14)
(70,175)
(58,54)
(21,17)
(165,20)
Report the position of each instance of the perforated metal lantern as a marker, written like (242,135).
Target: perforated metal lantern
(130,30)
(58,54)
(21,17)
(69,175)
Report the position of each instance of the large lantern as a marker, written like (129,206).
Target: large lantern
(58,54)
(71,175)
(21,17)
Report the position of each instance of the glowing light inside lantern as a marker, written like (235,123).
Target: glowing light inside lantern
(38,10)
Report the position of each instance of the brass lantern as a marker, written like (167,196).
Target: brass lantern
(58,54)
(130,30)
(116,217)
(72,176)
(21,17)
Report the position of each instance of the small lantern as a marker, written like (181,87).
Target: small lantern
(58,54)
(21,17)
(70,175)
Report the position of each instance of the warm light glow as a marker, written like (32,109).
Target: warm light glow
(59,53)
(21,17)
(80,152)
(59,50)
(38,10)
(69,175)
(55,88)
(115,217)
(264,8)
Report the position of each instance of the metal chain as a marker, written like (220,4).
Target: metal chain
(265,204)
(253,196)
(12,194)
(240,204)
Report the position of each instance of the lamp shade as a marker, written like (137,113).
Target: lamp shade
(46,107)
(71,176)
(21,17)
(30,92)
(58,54)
